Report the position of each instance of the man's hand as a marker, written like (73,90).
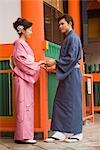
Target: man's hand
(50,62)
(51,69)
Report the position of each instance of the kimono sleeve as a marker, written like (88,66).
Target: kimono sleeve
(71,54)
(22,61)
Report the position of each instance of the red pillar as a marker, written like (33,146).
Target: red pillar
(74,11)
(33,11)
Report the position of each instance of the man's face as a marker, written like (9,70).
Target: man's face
(64,27)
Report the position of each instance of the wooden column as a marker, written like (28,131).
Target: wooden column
(33,11)
(74,11)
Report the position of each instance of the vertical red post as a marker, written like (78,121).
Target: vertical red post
(74,11)
(33,11)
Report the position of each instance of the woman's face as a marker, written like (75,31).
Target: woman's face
(28,32)
(64,27)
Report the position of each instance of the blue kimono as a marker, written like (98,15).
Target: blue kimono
(67,108)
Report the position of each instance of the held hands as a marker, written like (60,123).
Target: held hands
(49,64)
(41,62)
(51,69)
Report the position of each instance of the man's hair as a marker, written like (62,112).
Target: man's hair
(68,18)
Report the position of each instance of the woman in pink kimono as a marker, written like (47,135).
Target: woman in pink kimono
(26,72)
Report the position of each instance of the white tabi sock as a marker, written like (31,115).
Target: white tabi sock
(78,136)
(59,135)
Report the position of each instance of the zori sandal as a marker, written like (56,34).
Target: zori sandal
(71,140)
(74,138)
(51,139)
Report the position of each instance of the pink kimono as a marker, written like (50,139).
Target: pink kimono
(26,73)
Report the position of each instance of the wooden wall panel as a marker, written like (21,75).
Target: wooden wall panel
(58,4)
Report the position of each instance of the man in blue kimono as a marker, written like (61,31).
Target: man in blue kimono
(67,108)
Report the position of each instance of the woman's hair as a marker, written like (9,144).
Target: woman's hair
(67,18)
(21,23)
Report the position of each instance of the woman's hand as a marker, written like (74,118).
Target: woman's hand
(50,62)
(41,62)
(51,69)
